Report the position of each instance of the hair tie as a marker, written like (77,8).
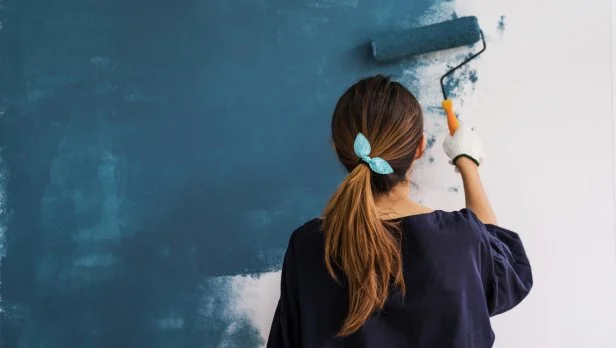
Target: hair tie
(362,150)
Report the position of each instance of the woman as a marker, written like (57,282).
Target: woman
(380,270)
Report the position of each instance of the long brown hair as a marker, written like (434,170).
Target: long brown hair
(357,241)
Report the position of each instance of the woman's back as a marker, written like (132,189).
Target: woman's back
(356,278)
(458,272)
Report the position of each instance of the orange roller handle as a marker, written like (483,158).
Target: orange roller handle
(452,119)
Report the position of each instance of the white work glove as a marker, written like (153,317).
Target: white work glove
(464,143)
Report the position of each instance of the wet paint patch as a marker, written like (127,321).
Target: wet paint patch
(123,174)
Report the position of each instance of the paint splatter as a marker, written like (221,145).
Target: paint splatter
(431,159)
(430,141)
(501,24)
(473,78)
(453,189)
(458,84)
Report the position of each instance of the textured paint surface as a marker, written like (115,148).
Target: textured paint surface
(157,154)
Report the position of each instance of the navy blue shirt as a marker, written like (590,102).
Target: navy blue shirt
(458,273)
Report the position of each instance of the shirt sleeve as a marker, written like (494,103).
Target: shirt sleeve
(505,268)
(285,329)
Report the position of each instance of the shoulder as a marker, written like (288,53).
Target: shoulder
(465,223)
(306,243)
(310,231)
(461,223)
(306,234)
(462,216)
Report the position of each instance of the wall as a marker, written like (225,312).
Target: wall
(547,119)
(155,159)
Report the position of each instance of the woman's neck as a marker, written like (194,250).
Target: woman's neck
(398,203)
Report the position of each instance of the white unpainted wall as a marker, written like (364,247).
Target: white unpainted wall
(545,112)
(543,107)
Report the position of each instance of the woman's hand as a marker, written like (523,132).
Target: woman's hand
(464,143)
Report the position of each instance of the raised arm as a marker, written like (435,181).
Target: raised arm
(465,151)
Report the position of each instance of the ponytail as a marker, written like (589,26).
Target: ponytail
(363,246)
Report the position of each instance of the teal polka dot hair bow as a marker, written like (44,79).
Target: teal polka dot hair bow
(362,150)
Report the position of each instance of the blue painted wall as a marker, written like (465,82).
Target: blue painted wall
(150,145)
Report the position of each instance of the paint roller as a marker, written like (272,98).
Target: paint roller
(397,45)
